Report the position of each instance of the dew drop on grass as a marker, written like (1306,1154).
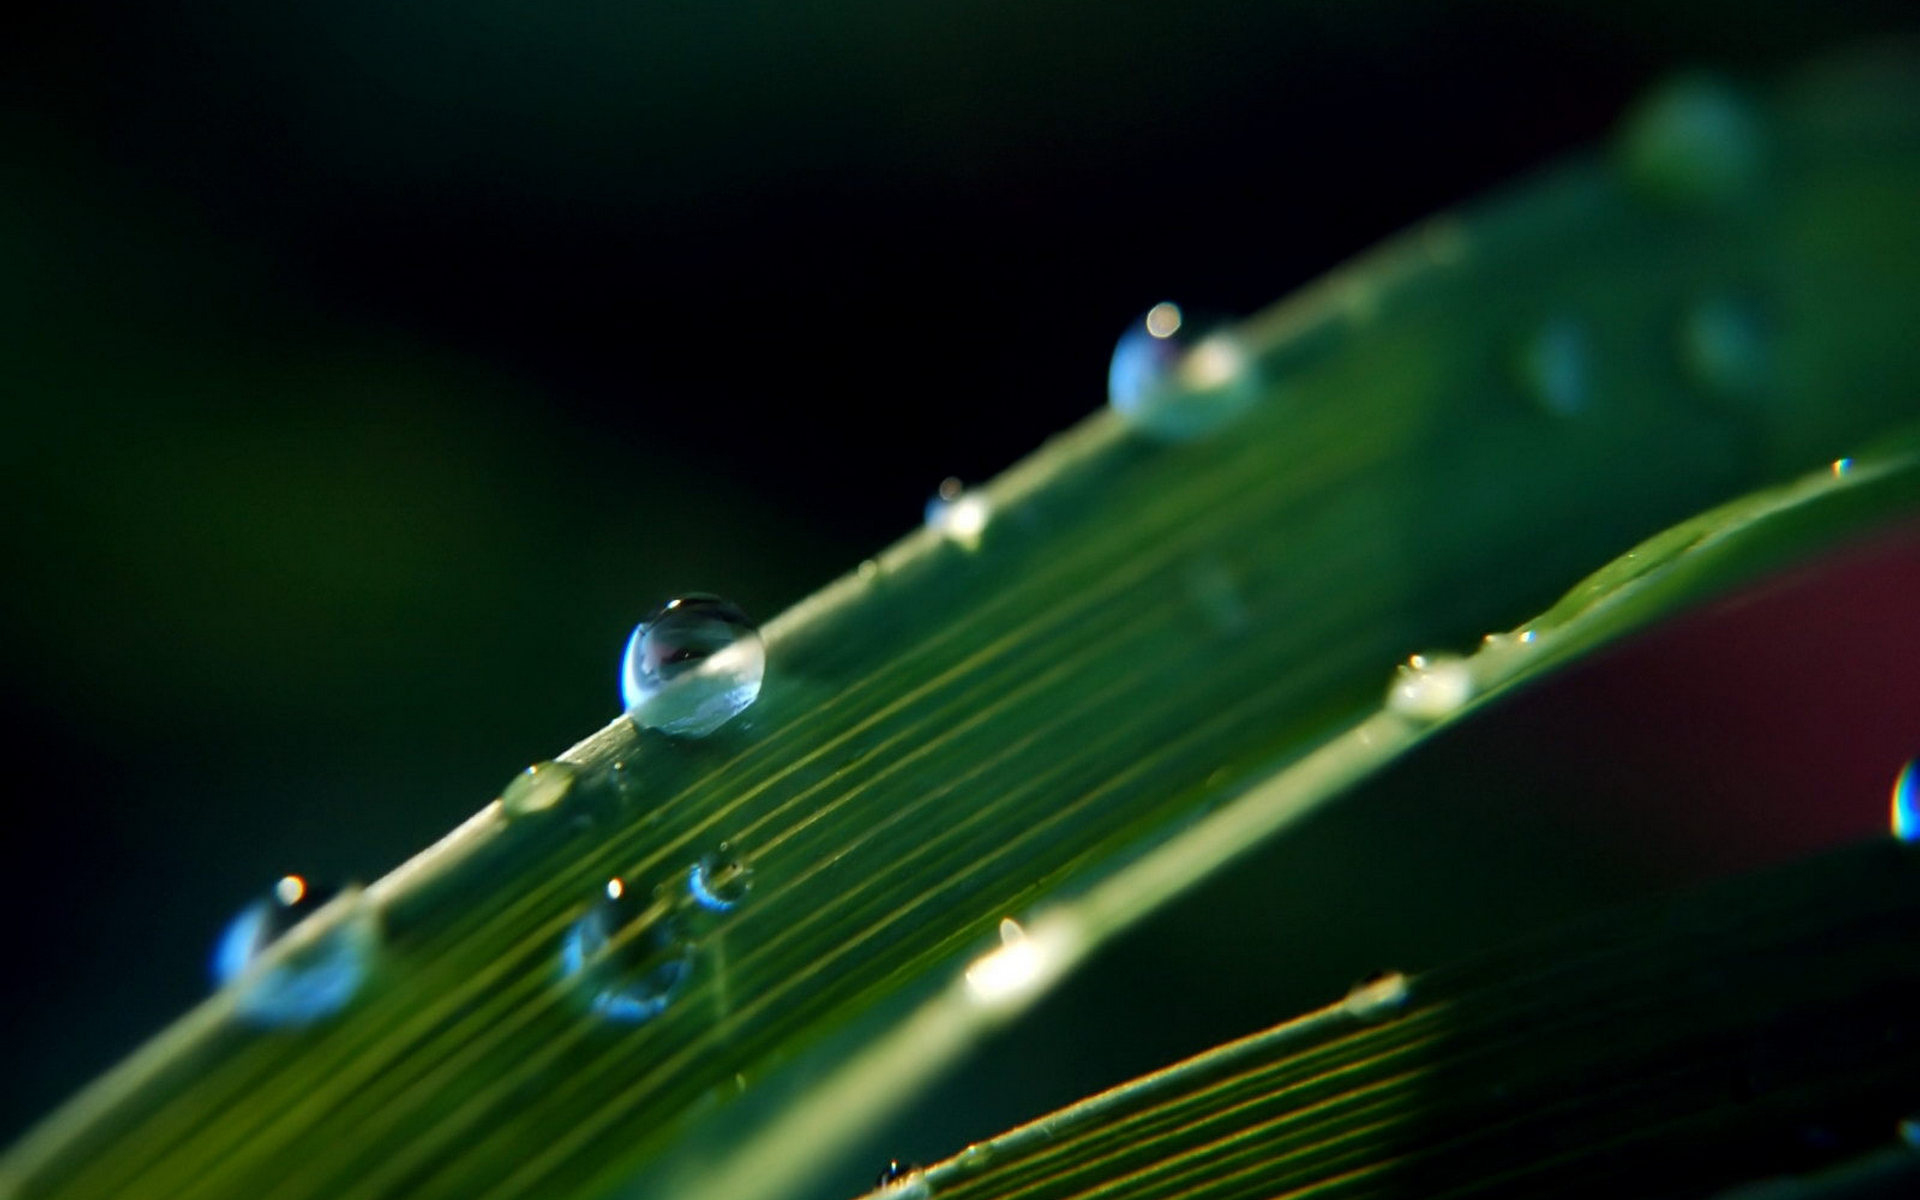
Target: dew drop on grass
(1906,803)
(1726,347)
(719,883)
(1693,142)
(537,789)
(1908,1131)
(1377,996)
(1431,686)
(1173,381)
(957,514)
(894,1172)
(1556,366)
(692,666)
(317,981)
(628,958)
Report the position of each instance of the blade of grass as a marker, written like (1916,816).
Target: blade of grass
(1140,631)
(1766,1025)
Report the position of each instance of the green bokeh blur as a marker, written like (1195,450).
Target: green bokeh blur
(370,370)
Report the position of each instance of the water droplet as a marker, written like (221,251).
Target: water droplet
(718,883)
(628,956)
(1842,467)
(538,788)
(1726,346)
(1694,141)
(958,514)
(1010,971)
(1378,995)
(1431,686)
(692,666)
(1173,381)
(315,981)
(894,1172)
(1906,803)
(1556,366)
(1908,1131)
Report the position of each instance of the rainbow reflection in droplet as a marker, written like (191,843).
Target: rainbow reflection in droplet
(1906,803)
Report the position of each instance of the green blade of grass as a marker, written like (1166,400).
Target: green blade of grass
(1140,632)
(1764,1026)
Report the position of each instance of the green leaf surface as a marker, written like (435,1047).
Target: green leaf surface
(1141,633)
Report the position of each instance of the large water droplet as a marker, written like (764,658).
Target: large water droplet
(629,957)
(1431,686)
(1694,141)
(958,514)
(1173,381)
(538,788)
(1378,995)
(692,666)
(1906,803)
(1556,366)
(315,981)
(718,883)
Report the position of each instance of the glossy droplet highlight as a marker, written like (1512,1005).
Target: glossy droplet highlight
(691,667)
(1378,996)
(1431,686)
(1905,818)
(718,883)
(1726,347)
(312,982)
(538,788)
(1176,382)
(958,514)
(1842,467)
(628,957)
(1556,367)
(1695,141)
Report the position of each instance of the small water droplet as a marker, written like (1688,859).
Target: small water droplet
(894,1172)
(1726,347)
(1556,366)
(1906,802)
(692,666)
(718,883)
(1174,381)
(629,957)
(315,982)
(1842,467)
(1694,141)
(869,569)
(1431,686)
(1378,995)
(538,788)
(957,514)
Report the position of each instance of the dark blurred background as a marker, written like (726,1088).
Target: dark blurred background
(371,368)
